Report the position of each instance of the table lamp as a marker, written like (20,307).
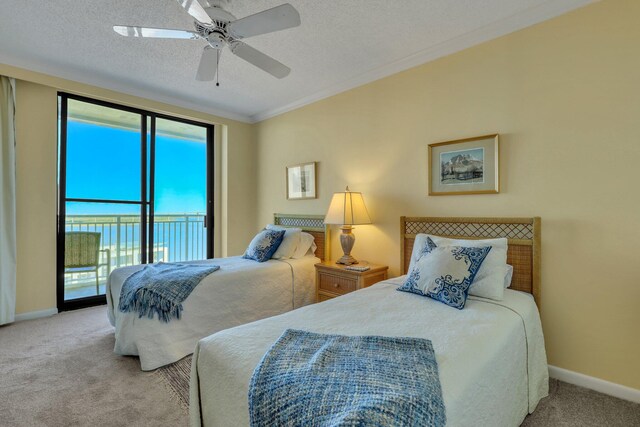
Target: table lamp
(347,209)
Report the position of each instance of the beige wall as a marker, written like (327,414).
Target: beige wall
(565,97)
(36,140)
(36,190)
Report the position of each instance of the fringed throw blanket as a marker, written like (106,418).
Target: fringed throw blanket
(309,379)
(161,288)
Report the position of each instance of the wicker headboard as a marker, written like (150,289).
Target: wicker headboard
(312,224)
(523,235)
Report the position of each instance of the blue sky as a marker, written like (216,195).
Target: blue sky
(104,163)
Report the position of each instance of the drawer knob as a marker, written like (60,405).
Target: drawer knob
(335,285)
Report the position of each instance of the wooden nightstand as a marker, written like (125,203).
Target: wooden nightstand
(333,280)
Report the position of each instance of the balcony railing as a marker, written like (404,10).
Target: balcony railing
(176,237)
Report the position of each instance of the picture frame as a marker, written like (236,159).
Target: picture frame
(301,181)
(465,166)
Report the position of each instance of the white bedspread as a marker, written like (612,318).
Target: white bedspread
(240,292)
(491,355)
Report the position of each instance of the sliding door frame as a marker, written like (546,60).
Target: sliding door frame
(147,194)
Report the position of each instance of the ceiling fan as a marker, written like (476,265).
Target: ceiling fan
(220,28)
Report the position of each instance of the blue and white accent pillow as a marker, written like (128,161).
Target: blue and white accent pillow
(264,245)
(445,273)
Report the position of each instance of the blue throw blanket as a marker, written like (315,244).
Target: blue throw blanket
(309,379)
(161,288)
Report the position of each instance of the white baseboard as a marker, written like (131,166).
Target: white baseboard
(596,384)
(36,314)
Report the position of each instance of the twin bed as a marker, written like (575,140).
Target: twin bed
(482,385)
(240,292)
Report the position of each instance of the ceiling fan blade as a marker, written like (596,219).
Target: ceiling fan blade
(219,14)
(259,59)
(196,10)
(276,19)
(208,64)
(158,33)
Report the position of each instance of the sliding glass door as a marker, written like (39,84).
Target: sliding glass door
(180,208)
(134,187)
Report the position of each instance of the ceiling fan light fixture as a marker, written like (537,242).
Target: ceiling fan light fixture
(216,40)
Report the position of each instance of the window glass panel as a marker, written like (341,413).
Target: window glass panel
(98,238)
(180,191)
(103,152)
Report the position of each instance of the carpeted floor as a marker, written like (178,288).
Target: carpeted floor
(61,371)
(571,406)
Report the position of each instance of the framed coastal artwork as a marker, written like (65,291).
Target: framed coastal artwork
(301,181)
(465,166)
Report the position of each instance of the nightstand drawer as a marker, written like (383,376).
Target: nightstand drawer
(336,284)
(334,280)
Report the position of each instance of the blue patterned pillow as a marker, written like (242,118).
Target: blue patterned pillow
(446,273)
(264,245)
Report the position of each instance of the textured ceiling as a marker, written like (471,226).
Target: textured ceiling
(340,44)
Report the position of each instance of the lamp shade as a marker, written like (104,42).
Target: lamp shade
(347,208)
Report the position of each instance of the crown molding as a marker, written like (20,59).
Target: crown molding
(532,16)
(68,73)
(508,25)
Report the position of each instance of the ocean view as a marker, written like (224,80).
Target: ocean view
(110,168)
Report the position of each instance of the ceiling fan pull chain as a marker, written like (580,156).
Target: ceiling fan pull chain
(218,68)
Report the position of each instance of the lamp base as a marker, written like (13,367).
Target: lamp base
(347,240)
(347,260)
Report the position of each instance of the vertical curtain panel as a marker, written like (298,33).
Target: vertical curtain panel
(7,200)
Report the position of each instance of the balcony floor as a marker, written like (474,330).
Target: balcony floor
(83,290)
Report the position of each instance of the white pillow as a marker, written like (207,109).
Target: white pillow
(312,249)
(489,282)
(508,276)
(289,243)
(306,244)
